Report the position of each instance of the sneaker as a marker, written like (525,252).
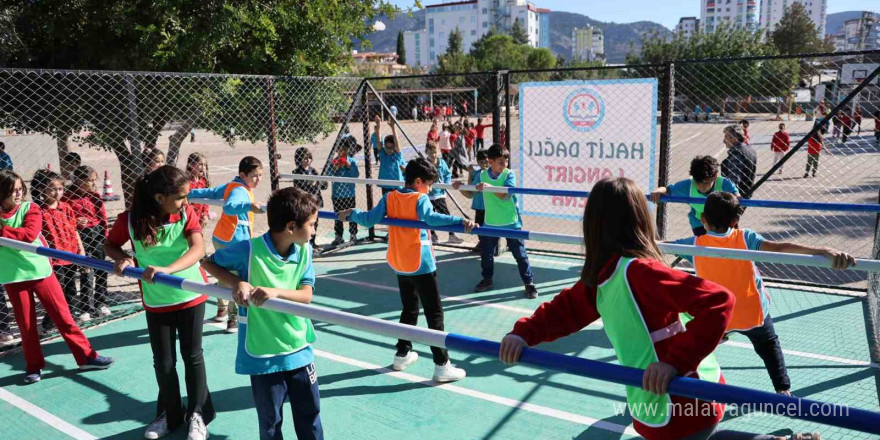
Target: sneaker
(6,338)
(85,317)
(33,377)
(401,362)
(232,325)
(499,250)
(221,314)
(316,251)
(806,175)
(158,429)
(434,238)
(97,363)
(337,241)
(531,291)
(454,239)
(478,249)
(353,239)
(448,373)
(104,311)
(197,428)
(484,285)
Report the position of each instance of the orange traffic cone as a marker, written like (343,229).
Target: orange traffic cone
(108,188)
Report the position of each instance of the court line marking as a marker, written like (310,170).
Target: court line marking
(45,416)
(512,403)
(805,354)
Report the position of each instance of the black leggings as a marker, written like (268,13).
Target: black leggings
(415,288)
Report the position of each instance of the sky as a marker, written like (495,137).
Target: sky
(640,10)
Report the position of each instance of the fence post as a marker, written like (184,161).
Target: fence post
(270,129)
(506,110)
(667,104)
(498,82)
(872,306)
(368,148)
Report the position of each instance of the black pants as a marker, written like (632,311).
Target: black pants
(812,162)
(766,344)
(300,387)
(412,290)
(479,144)
(93,285)
(441,208)
(67,276)
(312,240)
(341,204)
(165,329)
(480,216)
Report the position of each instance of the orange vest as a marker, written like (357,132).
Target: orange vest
(404,244)
(738,276)
(225,229)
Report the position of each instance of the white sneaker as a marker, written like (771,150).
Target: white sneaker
(6,338)
(158,429)
(197,428)
(401,363)
(85,317)
(448,373)
(104,311)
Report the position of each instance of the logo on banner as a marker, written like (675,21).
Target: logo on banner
(584,110)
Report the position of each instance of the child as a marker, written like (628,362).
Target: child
(477,203)
(705,179)
(446,148)
(857,119)
(779,145)
(411,256)
(814,149)
(751,314)
(877,127)
(745,129)
(433,134)
(469,139)
(374,138)
(153,159)
(25,274)
(640,300)
(391,164)
(59,231)
(342,195)
(501,212)
(91,221)
(846,125)
(303,159)
(197,167)
(166,238)
(274,348)
(480,132)
(5,160)
(502,137)
(70,162)
(437,195)
(236,221)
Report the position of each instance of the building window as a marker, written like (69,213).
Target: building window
(485,10)
(473,33)
(430,25)
(485,25)
(431,42)
(442,34)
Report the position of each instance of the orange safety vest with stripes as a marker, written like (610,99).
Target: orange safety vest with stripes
(404,244)
(227,224)
(738,276)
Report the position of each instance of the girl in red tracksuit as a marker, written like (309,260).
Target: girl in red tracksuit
(197,167)
(657,319)
(25,274)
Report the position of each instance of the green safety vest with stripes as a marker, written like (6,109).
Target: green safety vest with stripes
(695,193)
(270,333)
(634,345)
(498,212)
(19,266)
(170,245)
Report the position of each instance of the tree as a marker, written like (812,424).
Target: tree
(796,33)
(401,49)
(454,42)
(454,60)
(519,33)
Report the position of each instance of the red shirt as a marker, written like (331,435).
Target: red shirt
(780,142)
(59,231)
(30,228)
(846,121)
(661,294)
(433,136)
(452,138)
(470,136)
(481,128)
(119,236)
(87,205)
(448,111)
(814,146)
(502,139)
(200,210)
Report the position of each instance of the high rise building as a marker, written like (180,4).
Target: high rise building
(861,33)
(587,44)
(735,14)
(773,10)
(687,26)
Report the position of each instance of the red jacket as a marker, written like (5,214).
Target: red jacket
(199,209)
(87,205)
(814,146)
(59,230)
(661,293)
(780,142)
(433,135)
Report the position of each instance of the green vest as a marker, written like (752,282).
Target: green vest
(695,193)
(270,333)
(634,346)
(498,212)
(170,245)
(19,266)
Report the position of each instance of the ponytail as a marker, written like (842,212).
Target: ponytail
(146,214)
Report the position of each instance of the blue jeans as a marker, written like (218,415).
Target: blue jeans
(517,248)
(766,344)
(300,386)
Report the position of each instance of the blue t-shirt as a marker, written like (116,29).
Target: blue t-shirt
(510,182)
(477,201)
(5,161)
(238,204)
(754,241)
(237,258)
(683,189)
(389,167)
(342,190)
(445,177)
(374,141)
(425,212)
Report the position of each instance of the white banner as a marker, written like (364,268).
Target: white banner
(575,133)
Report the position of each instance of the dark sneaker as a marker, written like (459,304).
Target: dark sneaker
(97,363)
(484,285)
(232,325)
(531,291)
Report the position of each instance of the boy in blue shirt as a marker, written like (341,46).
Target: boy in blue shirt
(5,160)
(391,164)
(502,211)
(343,194)
(411,255)
(236,221)
(274,348)
(705,179)
(438,195)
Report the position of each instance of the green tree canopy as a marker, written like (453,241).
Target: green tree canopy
(401,49)
(519,33)
(796,33)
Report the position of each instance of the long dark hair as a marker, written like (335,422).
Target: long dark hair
(42,179)
(146,214)
(193,159)
(616,222)
(7,184)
